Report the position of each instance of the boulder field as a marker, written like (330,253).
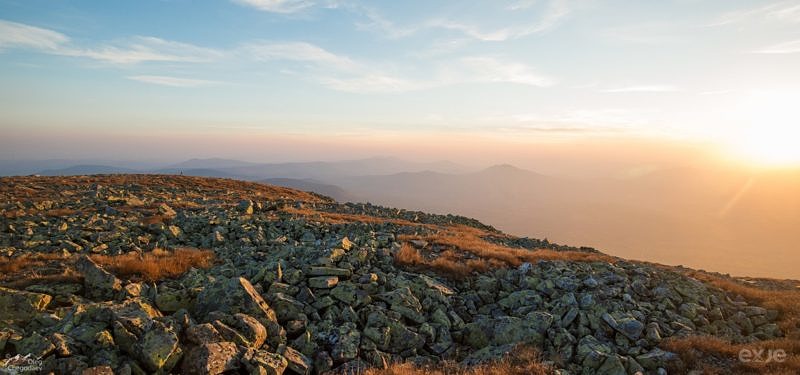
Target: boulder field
(305,285)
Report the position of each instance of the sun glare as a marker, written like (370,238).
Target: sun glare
(769,135)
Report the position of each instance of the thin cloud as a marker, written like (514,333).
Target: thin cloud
(522,4)
(555,13)
(782,48)
(277,6)
(296,51)
(134,50)
(342,73)
(329,69)
(643,88)
(147,49)
(489,69)
(173,81)
(18,35)
(373,83)
(784,11)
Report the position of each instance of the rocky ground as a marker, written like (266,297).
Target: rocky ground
(302,284)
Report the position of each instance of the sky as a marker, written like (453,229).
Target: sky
(331,79)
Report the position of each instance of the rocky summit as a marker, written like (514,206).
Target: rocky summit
(296,283)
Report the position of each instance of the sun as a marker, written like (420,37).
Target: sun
(769,146)
(769,132)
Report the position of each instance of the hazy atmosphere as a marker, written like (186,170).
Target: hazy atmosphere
(648,135)
(375,187)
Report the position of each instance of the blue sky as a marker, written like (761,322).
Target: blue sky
(523,70)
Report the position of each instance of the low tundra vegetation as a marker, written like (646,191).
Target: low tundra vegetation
(714,355)
(155,265)
(524,361)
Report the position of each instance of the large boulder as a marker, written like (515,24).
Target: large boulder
(211,359)
(18,305)
(592,353)
(231,296)
(508,330)
(98,283)
(405,303)
(656,358)
(158,348)
(264,363)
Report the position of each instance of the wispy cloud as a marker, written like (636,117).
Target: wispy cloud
(343,73)
(134,50)
(642,88)
(277,6)
(782,48)
(552,15)
(18,35)
(146,49)
(330,69)
(173,81)
(489,69)
(783,11)
(296,51)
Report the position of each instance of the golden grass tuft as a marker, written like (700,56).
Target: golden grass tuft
(154,219)
(26,262)
(408,255)
(156,265)
(523,361)
(60,212)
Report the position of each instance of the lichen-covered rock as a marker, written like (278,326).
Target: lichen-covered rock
(507,330)
(323,282)
(286,307)
(656,358)
(234,295)
(592,353)
(22,306)
(158,348)
(35,345)
(346,341)
(211,359)
(99,283)
(405,303)
(202,334)
(298,363)
(171,300)
(264,363)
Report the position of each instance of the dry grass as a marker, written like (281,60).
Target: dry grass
(156,265)
(408,256)
(468,252)
(524,361)
(787,302)
(159,264)
(718,356)
(26,262)
(339,218)
(154,219)
(714,355)
(229,190)
(60,212)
